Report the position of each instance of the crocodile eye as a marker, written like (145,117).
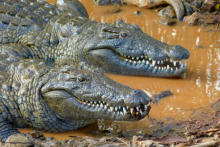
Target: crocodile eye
(123,35)
(82,78)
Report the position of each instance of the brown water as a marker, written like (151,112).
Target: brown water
(200,87)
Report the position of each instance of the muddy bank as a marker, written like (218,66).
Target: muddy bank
(194,132)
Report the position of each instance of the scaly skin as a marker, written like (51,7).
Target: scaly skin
(176,4)
(33,94)
(62,34)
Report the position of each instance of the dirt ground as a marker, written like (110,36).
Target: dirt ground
(201,130)
(205,12)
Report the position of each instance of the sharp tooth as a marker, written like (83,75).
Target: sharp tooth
(111,109)
(145,107)
(132,58)
(127,108)
(124,110)
(143,61)
(116,108)
(161,61)
(171,69)
(129,56)
(126,60)
(141,112)
(149,59)
(174,63)
(137,58)
(139,62)
(168,66)
(132,110)
(121,113)
(158,62)
(88,104)
(135,62)
(137,108)
(153,62)
(105,107)
(94,102)
(130,61)
(142,57)
(147,62)
(101,105)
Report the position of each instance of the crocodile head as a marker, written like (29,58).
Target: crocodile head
(124,49)
(82,94)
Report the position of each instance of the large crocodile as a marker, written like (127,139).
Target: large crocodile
(33,94)
(62,34)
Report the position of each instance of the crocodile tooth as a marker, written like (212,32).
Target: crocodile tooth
(119,107)
(111,109)
(126,60)
(168,66)
(124,110)
(137,58)
(121,113)
(147,62)
(145,107)
(105,107)
(116,108)
(158,62)
(132,110)
(161,61)
(132,58)
(127,108)
(101,105)
(88,104)
(171,69)
(139,62)
(149,59)
(135,62)
(137,108)
(142,57)
(143,61)
(153,62)
(141,112)
(174,63)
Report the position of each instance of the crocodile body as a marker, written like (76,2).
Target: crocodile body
(34,94)
(61,34)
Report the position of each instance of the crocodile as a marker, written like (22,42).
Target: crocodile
(37,95)
(62,34)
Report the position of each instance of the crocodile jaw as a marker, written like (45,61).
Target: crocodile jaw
(70,108)
(142,65)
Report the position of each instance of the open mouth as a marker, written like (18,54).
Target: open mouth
(131,113)
(166,64)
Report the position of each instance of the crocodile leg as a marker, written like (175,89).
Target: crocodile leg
(6,128)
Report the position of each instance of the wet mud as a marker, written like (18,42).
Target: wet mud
(198,89)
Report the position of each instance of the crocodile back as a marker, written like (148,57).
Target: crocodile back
(18,17)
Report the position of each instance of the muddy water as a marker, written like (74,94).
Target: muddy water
(199,88)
